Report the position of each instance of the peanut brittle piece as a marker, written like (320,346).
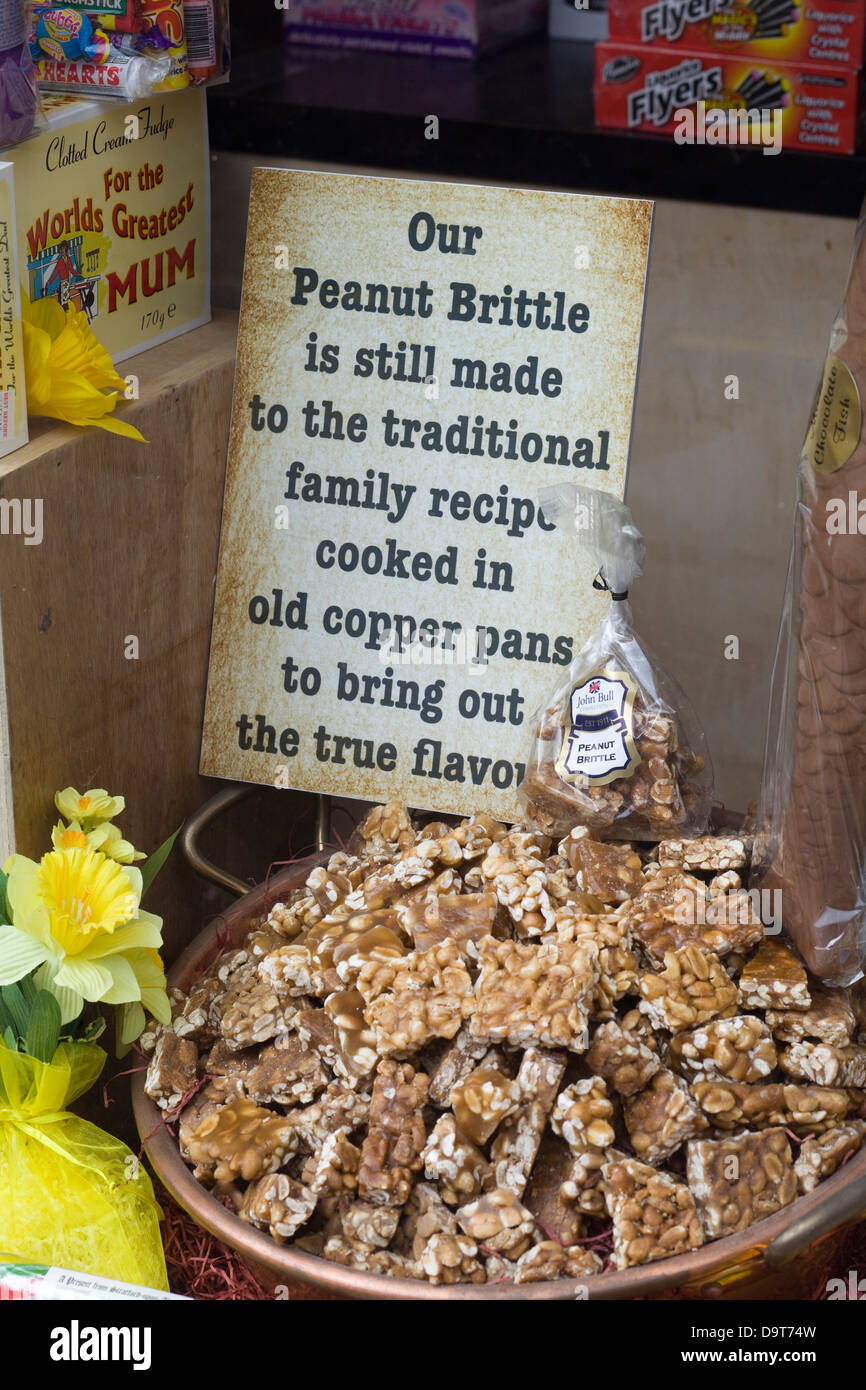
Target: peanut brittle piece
(736,1182)
(454,1162)
(356,1039)
(583,1186)
(563,887)
(391,1152)
(653,1215)
(582,1115)
(424,1215)
(211,1097)
(617,962)
(332,1173)
(675,909)
(286,1073)
(500,1221)
(829,1018)
(807,1109)
(513,870)
(554,1207)
(370,940)
(279,1204)
(611,872)
(623,1052)
(290,919)
(330,884)
(289,970)
(411,868)
(824,1064)
(661,1118)
(535,994)
(462,918)
(384,1262)
(707,853)
(366,1223)
(171,1071)
(820,1157)
(255,1014)
(740,1048)
(199,1016)
(549,1260)
(774,978)
(463,1054)
(384,832)
(335,1108)
(448,1259)
(692,989)
(318,1032)
(518,1139)
(409,1002)
(482,1100)
(241,1140)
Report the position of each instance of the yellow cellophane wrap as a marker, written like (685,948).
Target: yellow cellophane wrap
(70,1194)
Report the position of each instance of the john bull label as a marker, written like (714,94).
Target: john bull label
(599,740)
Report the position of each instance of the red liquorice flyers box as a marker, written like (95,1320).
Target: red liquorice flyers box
(827,32)
(643,88)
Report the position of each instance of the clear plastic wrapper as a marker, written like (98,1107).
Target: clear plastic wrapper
(811,824)
(617,747)
(19,98)
(131,49)
(207,37)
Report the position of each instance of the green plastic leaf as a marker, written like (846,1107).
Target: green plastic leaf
(17,1006)
(28,989)
(7,1023)
(10,1037)
(5,914)
(43,1030)
(94,1030)
(151,867)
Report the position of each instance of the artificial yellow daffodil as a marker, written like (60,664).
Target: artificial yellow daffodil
(76,920)
(106,838)
(89,809)
(69,374)
(150,974)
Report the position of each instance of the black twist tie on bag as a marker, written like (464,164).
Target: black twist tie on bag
(601,583)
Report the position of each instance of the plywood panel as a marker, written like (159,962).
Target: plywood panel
(131,533)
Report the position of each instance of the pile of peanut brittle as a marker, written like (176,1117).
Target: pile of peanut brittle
(467,1053)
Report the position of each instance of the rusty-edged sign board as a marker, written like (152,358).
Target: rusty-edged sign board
(416,362)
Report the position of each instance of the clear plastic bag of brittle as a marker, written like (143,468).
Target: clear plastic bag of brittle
(617,747)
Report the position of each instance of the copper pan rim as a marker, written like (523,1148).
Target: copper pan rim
(701,1271)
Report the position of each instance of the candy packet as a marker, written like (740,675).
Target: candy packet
(19,96)
(617,746)
(128,49)
(70,1194)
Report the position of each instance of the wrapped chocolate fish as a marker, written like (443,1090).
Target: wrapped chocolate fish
(811,828)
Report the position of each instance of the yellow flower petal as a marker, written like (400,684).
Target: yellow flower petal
(85,895)
(70,376)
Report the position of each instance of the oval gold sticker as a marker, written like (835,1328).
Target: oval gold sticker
(834,425)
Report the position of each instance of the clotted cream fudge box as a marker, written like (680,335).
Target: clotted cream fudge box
(113,215)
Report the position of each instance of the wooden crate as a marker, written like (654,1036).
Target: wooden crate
(131,534)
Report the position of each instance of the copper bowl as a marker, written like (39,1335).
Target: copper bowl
(778,1258)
